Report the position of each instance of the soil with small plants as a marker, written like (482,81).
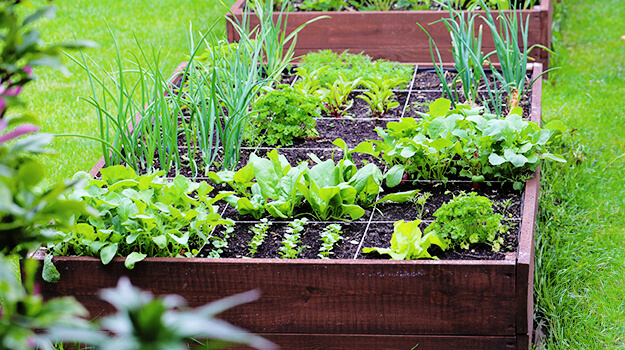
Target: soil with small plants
(375,228)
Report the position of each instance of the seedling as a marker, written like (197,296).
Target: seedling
(292,237)
(260,233)
(330,235)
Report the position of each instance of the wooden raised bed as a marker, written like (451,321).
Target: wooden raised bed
(394,35)
(347,303)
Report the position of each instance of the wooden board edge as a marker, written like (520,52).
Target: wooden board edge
(362,341)
(525,257)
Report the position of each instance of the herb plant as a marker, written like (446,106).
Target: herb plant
(284,114)
(290,248)
(329,236)
(260,233)
(379,95)
(409,243)
(141,216)
(468,219)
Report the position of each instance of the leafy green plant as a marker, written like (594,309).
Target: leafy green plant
(373,5)
(379,95)
(308,83)
(417,5)
(260,233)
(290,248)
(335,97)
(274,191)
(24,312)
(322,5)
(327,192)
(419,202)
(30,213)
(352,66)
(219,243)
(329,236)
(285,114)
(409,243)
(141,216)
(465,141)
(166,322)
(468,219)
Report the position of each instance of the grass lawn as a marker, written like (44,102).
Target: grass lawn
(580,257)
(54,98)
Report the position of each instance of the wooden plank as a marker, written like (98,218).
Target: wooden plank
(525,257)
(363,342)
(310,296)
(376,32)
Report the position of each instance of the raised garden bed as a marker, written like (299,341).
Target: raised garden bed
(354,300)
(393,35)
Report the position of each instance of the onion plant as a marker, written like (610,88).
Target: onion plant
(468,60)
(466,50)
(141,120)
(512,54)
(237,81)
(276,54)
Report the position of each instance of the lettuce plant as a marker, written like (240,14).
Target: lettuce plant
(468,219)
(141,216)
(409,243)
(274,191)
(327,192)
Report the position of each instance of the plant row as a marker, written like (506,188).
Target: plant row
(397,5)
(227,94)
(139,216)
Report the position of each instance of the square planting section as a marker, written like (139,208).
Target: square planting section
(393,35)
(353,300)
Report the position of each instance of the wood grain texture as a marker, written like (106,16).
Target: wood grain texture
(365,342)
(525,255)
(310,296)
(394,35)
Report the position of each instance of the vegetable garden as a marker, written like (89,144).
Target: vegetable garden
(319,181)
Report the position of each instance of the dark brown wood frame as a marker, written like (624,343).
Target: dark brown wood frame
(393,35)
(336,304)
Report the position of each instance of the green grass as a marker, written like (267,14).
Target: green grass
(54,98)
(580,257)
